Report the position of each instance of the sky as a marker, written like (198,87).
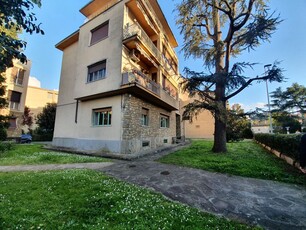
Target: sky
(61,18)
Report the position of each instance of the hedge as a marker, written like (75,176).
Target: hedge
(42,137)
(287,144)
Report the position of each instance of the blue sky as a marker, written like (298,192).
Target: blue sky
(60,18)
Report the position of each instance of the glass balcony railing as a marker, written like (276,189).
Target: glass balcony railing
(136,76)
(135,29)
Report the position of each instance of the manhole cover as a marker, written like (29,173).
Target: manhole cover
(165,173)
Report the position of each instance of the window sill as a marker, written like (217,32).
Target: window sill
(88,82)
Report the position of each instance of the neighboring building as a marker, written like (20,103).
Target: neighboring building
(17,78)
(119,80)
(260,126)
(37,98)
(200,127)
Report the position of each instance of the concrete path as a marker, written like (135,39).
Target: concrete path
(271,205)
(19,168)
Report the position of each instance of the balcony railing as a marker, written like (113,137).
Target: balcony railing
(154,16)
(14,105)
(141,79)
(135,29)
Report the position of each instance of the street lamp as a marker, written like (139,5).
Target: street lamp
(267,68)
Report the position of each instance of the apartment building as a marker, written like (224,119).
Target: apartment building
(37,98)
(119,88)
(17,78)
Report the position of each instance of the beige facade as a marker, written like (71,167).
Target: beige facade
(37,98)
(17,78)
(119,87)
(200,127)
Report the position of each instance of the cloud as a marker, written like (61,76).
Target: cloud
(253,106)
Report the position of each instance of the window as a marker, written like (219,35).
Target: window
(99,33)
(145,143)
(96,71)
(102,117)
(145,117)
(17,76)
(14,99)
(164,121)
(13,123)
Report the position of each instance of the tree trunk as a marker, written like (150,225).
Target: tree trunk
(220,111)
(219,136)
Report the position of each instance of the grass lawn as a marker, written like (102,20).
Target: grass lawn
(34,154)
(243,159)
(84,199)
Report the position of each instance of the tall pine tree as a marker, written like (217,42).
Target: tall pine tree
(215,31)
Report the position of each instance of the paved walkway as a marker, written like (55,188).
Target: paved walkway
(19,168)
(271,205)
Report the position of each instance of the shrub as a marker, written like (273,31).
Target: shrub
(247,133)
(42,137)
(6,146)
(3,134)
(284,143)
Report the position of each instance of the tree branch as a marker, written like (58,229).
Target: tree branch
(246,85)
(246,18)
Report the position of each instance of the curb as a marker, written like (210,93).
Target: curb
(289,160)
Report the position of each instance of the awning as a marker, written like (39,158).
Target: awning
(144,53)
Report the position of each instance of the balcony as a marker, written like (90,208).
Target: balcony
(14,105)
(143,87)
(133,34)
(139,78)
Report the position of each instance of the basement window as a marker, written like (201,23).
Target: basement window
(145,143)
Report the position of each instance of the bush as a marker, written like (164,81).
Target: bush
(284,143)
(42,137)
(6,146)
(3,134)
(247,133)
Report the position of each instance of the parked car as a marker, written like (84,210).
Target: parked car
(25,138)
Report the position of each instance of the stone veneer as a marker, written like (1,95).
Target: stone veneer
(134,134)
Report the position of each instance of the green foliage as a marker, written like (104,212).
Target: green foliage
(15,18)
(42,137)
(245,158)
(283,120)
(84,199)
(15,15)
(46,119)
(283,143)
(5,146)
(35,154)
(27,118)
(290,101)
(247,133)
(3,134)
(237,123)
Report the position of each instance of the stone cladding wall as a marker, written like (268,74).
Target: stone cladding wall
(134,134)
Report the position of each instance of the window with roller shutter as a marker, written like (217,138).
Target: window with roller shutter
(99,33)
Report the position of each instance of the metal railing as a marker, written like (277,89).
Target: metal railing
(141,79)
(135,29)
(154,16)
(14,105)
